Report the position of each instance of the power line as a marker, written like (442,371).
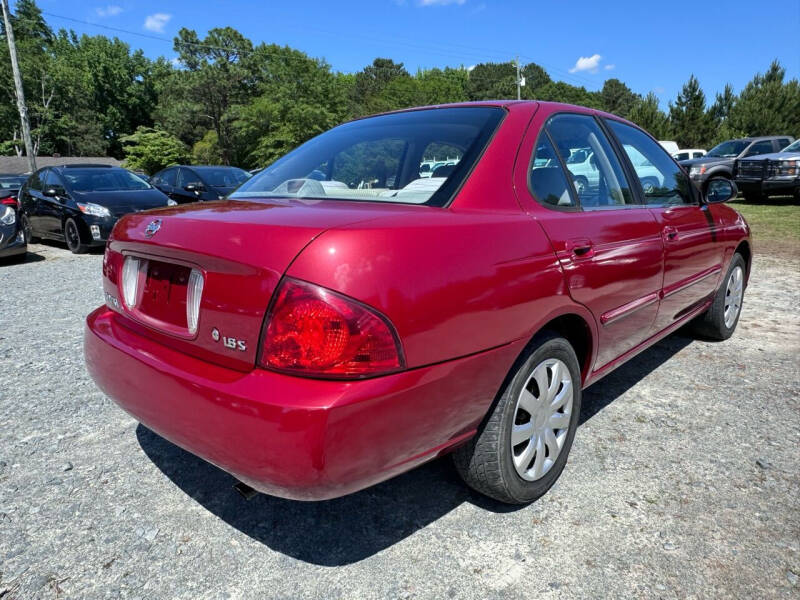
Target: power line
(477,54)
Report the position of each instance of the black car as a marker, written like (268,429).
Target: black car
(770,174)
(202,183)
(12,239)
(79,204)
(719,160)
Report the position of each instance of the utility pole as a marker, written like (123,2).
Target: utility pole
(23,111)
(518,79)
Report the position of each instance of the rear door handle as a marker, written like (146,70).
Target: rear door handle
(670,233)
(580,248)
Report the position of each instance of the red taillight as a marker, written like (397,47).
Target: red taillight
(9,201)
(316,332)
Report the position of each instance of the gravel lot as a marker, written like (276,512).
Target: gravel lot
(684,481)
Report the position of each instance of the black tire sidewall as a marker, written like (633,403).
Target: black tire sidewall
(80,247)
(519,489)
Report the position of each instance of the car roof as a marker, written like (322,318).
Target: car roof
(83,166)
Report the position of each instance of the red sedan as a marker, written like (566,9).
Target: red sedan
(351,312)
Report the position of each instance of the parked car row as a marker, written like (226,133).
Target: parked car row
(79,204)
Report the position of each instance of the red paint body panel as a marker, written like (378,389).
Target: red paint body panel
(293,437)
(466,287)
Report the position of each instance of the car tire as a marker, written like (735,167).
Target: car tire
(518,474)
(720,320)
(27,231)
(72,235)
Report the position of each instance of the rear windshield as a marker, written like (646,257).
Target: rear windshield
(222,176)
(103,180)
(414,157)
(9,182)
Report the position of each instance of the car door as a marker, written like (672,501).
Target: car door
(52,207)
(692,254)
(758,148)
(608,244)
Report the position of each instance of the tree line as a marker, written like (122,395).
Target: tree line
(229,101)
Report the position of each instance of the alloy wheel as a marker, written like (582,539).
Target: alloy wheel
(734,291)
(542,418)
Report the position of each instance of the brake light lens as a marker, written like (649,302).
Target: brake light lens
(134,270)
(316,332)
(194,292)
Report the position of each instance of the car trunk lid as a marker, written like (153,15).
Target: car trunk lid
(241,249)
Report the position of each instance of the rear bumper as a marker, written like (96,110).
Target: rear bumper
(293,437)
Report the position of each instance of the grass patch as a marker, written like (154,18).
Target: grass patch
(775,224)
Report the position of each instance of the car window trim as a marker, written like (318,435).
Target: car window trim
(693,191)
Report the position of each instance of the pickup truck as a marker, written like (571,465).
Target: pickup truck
(719,160)
(776,174)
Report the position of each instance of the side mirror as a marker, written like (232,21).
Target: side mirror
(50,192)
(720,190)
(194,187)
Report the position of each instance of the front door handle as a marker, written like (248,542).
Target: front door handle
(670,233)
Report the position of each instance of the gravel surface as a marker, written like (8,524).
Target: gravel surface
(683,482)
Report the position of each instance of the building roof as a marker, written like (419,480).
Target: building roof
(19,164)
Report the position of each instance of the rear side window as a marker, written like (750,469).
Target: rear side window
(594,169)
(662,181)
(783,142)
(548,181)
(763,147)
(682,155)
(697,155)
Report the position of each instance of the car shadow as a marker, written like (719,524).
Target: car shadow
(346,530)
(28,257)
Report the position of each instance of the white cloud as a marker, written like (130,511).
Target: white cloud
(587,63)
(440,2)
(609,67)
(157,22)
(112,10)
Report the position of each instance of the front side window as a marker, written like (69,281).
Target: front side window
(220,177)
(594,169)
(169,177)
(729,149)
(662,181)
(35,181)
(548,181)
(379,159)
(52,181)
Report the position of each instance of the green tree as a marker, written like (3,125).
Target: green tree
(218,75)
(151,150)
(368,91)
(647,115)
(492,81)
(768,105)
(618,98)
(688,117)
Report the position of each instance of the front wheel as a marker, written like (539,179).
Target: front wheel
(27,231)
(522,447)
(720,320)
(72,236)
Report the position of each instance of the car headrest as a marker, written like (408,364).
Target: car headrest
(549,186)
(443,171)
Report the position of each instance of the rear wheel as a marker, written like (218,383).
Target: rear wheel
(720,320)
(522,447)
(72,235)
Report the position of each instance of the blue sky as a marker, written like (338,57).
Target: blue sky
(651,46)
